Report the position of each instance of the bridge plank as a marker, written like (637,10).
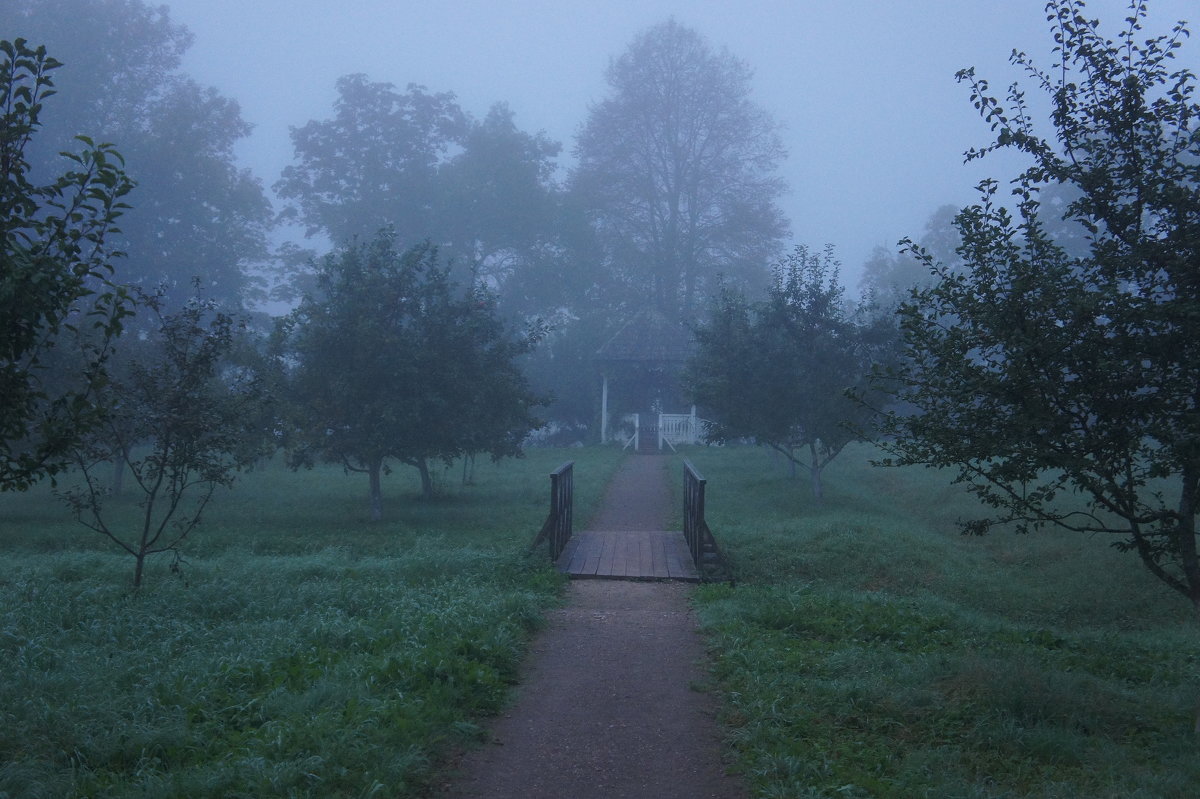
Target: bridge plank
(631,546)
(608,555)
(569,551)
(634,554)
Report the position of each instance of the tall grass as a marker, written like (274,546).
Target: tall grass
(300,652)
(871,650)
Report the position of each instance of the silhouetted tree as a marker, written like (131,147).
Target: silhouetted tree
(1037,372)
(677,167)
(781,370)
(497,205)
(57,296)
(197,214)
(180,423)
(374,164)
(889,274)
(415,162)
(394,361)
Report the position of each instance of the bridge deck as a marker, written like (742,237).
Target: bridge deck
(629,554)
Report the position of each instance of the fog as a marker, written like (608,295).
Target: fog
(872,117)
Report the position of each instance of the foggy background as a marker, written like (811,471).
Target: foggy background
(874,122)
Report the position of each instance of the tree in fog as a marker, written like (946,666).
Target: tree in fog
(180,422)
(393,361)
(780,371)
(1040,374)
(58,299)
(482,191)
(889,274)
(678,169)
(374,164)
(197,214)
(498,207)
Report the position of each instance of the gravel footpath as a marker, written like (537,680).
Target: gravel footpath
(607,705)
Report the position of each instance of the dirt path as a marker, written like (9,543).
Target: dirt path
(607,706)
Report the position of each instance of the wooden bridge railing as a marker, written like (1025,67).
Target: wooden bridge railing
(705,552)
(557,529)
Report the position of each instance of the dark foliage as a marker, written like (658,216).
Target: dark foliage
(58,300)
(782,371)
(180,423)
(1037,372)
(394,361)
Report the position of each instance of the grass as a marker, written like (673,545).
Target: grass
(870,650)
(301,651)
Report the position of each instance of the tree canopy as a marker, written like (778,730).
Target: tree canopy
(779,371)
(197,214)
(889,275)
(1039,374)
(394,361)
(677,170)
(482,191)
(374,164)
(57,295)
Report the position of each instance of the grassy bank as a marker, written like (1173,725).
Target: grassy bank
(871,650)
(301,651)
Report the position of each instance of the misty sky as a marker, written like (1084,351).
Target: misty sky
(874,122)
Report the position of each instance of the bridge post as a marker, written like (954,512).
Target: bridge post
(604,409)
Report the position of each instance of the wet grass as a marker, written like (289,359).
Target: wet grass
(301,652)
(870,650)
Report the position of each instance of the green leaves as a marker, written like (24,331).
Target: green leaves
(56,272)
(394,360)
(780,371)
(1039,370)
(181,424)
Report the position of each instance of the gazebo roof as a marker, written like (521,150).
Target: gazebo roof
(648,337)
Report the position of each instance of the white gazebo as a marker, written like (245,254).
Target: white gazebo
(647,353)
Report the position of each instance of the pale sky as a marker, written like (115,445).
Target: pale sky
(874,122)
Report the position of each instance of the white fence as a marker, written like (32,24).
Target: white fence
(673,429)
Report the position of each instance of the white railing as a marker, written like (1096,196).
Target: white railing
(678,428)
(673,429)
(635,439)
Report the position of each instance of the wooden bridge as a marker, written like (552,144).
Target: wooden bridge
(629,554)
(691,554)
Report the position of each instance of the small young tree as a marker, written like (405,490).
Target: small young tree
(179,425)
(393,361)
(56,288)
(780,371)
(1037,373)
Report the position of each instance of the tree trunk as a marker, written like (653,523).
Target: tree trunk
(815,473)
(1185,536)
(138,568)
(375,495)
(426,479)
(118,477)
(118,473)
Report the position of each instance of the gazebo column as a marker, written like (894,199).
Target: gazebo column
(604,409)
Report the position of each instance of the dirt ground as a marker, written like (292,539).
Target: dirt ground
(609,704)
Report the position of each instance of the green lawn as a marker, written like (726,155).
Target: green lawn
(867,650)
(301,651)
(871,650)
